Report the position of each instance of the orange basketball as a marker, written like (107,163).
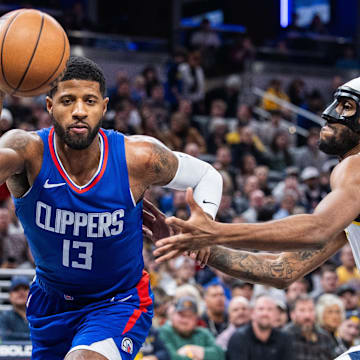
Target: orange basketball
(34,50)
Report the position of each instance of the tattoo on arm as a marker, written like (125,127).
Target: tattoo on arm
(271,269)
(163,164)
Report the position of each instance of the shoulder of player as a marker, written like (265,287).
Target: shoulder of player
(22,141)
(145,149)
(347,170)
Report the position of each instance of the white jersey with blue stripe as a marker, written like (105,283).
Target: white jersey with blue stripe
(86,240)
(353,236)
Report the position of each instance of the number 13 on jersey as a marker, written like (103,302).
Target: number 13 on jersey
(84,254)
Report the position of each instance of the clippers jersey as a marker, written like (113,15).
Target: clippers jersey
(86,241)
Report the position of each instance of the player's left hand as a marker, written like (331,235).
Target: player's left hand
(196,233)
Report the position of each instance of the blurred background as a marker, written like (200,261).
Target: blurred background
(241,85)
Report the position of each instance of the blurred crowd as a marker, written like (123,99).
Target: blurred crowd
(269,170)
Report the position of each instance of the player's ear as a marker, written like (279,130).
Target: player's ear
(49,104)
(105,104)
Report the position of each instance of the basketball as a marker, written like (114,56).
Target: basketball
(34,51)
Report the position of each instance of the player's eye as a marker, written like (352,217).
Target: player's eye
(347,106)
(66,101)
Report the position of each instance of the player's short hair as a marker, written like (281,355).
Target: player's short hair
(82,68)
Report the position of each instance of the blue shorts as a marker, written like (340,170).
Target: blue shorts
(115,327)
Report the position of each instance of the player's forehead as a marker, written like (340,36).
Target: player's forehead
(78,88)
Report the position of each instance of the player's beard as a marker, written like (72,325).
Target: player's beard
(342,140)
(76,142)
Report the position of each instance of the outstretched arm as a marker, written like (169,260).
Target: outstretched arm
(306,231)
(278,270)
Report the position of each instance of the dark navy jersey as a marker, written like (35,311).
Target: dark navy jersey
(86,240)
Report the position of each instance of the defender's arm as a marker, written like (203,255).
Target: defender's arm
(278,270)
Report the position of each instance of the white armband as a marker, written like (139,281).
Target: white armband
(202,177)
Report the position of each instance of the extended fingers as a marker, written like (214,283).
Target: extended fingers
(168,256)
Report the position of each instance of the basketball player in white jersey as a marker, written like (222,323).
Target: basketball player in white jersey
(308,239)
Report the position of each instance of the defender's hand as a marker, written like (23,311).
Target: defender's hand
(196,233)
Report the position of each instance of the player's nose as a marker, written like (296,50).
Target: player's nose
(79,110)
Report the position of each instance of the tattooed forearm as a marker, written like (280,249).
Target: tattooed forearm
(277,270)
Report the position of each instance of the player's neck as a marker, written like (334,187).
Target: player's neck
(353,151)
(79,161)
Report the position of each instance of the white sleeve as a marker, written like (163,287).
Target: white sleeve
(202,177)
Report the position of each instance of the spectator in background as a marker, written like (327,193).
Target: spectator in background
(184,339)
(14,249)
(13,323)
(173,84)
(205,37)
(290,182)
(262,173)
(241,53)
(223,162)
(193,80)
(162,303)
(281,315)
(259,340)
(311,188)
(328,281)
(229,93)
(248,165)
(159,105)
(122,93)
(315,104)
(243,289)
(309,154)
(150,126)
(349,297)
(296,289)
(348,333)
(287,206)
(248,143)
(275,124)
(15,226)
(330,314)
(309,341)
(296,92)
(217,134)
(257,202)
(347,271)
(207,41)
(151,78)
(239,315)
(279,156)
(123,118)
(215,315)
(181,133)
(244,118)
(153,348)
(274,89)
(192,149)
(138,90)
